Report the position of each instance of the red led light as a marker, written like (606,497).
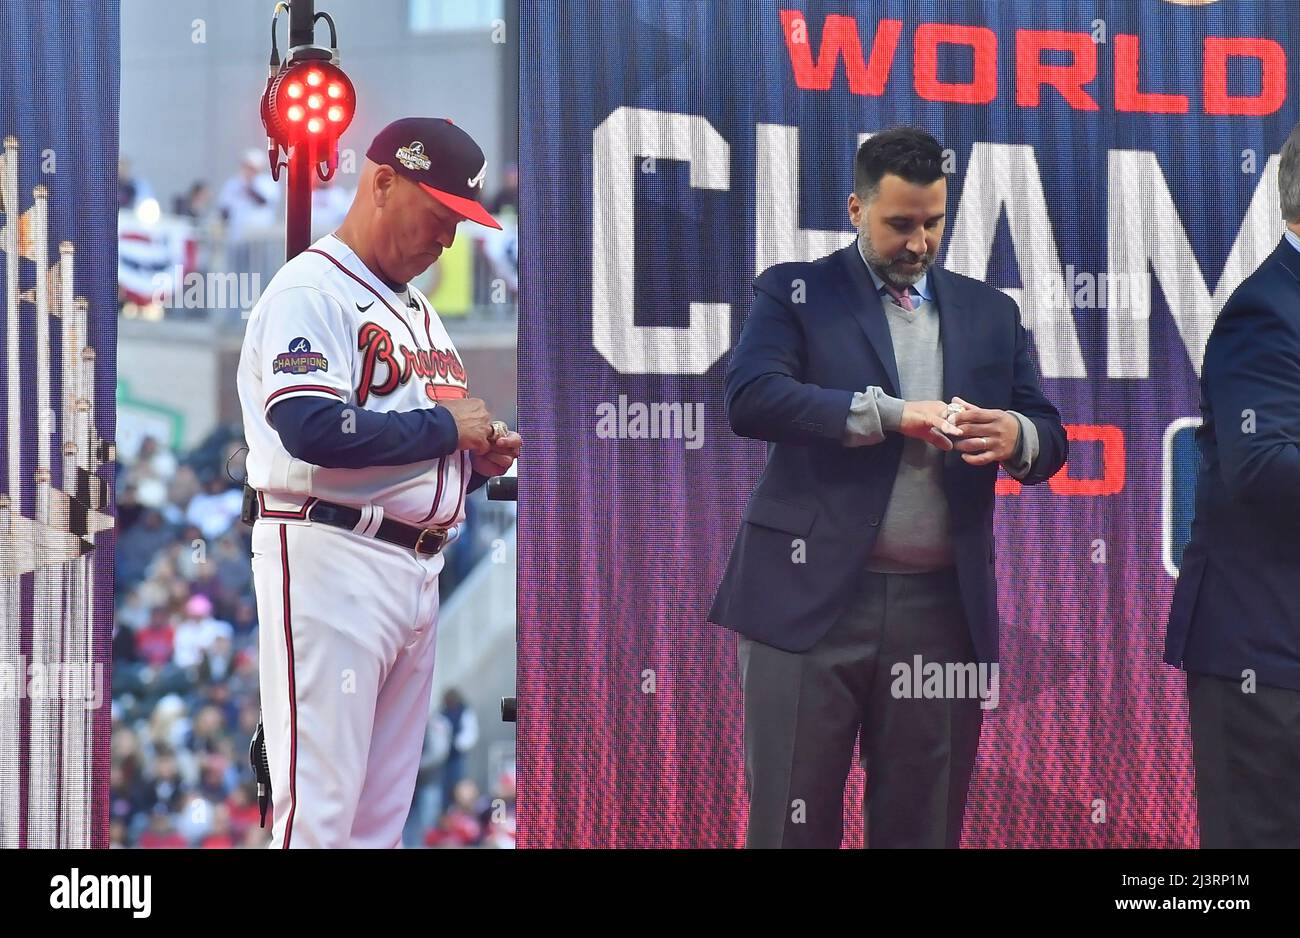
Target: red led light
(311,102)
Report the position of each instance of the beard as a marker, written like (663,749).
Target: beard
(890,269)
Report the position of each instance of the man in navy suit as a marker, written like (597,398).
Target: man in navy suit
(890,391)
(1234,624)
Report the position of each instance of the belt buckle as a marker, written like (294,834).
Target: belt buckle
(440,532)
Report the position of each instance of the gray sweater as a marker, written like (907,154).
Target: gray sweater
(915,533)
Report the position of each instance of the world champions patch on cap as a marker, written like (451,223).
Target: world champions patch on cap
(439,157)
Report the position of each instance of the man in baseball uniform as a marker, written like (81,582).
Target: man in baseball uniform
(363,442)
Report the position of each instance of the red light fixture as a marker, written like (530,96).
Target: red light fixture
(307,104)
(310,102)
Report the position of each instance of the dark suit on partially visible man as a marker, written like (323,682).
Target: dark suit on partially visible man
(822,617)
(1234,624)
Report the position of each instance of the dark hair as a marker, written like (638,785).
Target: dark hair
(907,152)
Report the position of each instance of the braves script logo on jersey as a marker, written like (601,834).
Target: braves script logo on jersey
(300,359)
(377,346)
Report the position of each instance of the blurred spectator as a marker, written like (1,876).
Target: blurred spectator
(155,643)
(507,197)
(184,486)
(501,248)
(216,508)
(460,825)
(162,833)
(123,642)
(244,617)
(134,611)
(462,735)
(194,203)
(166,787)
(197,632)
(221,835)
(137,547)
(427,804)
(329,204)
(128,504)
(159,459)
(168,727)
(131,189)
(241,808)
(250,199)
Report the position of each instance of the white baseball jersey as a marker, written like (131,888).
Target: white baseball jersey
(327,327)
(347,623)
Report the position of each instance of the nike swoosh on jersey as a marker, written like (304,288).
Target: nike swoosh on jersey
(362,309)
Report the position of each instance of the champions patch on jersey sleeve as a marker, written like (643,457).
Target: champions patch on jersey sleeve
(299,359)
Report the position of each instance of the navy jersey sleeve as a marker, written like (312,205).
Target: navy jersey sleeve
(336,435)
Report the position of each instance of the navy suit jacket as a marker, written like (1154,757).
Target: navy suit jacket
(1237,602)
(817,333)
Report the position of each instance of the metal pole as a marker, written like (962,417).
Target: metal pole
(297,229)
(301,26)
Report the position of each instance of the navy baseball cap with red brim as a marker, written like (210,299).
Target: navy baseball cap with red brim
(441,159)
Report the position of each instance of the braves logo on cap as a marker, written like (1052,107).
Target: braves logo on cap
(476,182)
(412,156)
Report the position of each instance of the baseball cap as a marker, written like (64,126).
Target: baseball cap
(439,157)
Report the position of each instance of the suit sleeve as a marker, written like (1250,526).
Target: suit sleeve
(1252,378)
(767,398)
(1029,402)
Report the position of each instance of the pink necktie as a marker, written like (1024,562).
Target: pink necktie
(902,297)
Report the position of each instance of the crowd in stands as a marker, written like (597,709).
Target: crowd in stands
(185,670)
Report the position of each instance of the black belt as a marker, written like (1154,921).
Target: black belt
(420,540)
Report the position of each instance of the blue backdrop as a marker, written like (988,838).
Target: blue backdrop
(1112,168)
(58,161)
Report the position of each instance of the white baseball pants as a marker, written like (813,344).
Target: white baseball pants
(346,629)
